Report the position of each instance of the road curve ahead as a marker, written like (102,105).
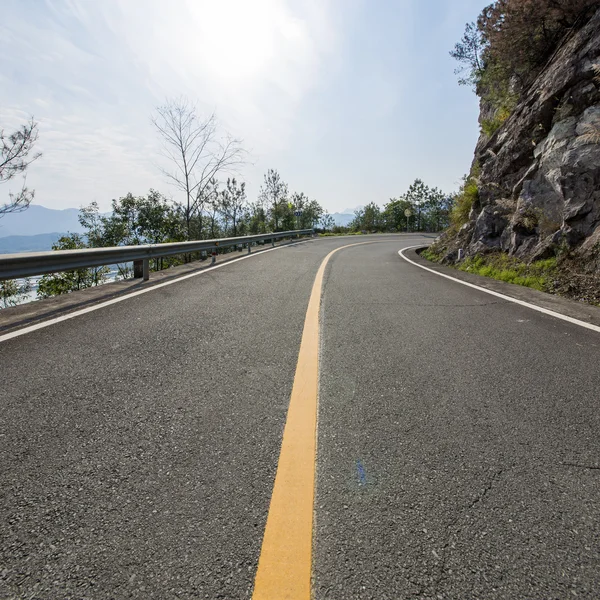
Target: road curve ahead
(457,449)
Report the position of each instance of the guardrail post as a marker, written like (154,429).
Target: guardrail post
(249,247)
(146,269)
(214,257)
(138,268)
(273,242)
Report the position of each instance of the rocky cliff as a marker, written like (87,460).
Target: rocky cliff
(538,175)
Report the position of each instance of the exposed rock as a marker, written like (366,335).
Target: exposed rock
(539,182)
(489,226)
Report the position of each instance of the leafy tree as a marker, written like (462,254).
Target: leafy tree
(233,204)
(56,284)
(135,220)
(369,218)
(14,291)
(289,220)
(157,221)
(417,195)
(311,215)
(394,214)
(212,209)
(274,194)
(16,154)
(522,34)
(310,212)
(327,221)
(89,218)
(372,217)
(257,218)
(437,207)
(469,53)
(357,224)
(299,203)
(511,42)
(430,209)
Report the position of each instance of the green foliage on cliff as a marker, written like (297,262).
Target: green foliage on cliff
(506,48)
(504,110)
(465,198)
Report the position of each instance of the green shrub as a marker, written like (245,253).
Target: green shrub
(466,197)
(13,292)
(490,126)
(432,254)
(537,275)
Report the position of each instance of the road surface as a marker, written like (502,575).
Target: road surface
(457,447)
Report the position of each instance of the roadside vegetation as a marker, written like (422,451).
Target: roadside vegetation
(561,274)
(420,208)
(539,275)
(502,52)
(16,154)
(222,209)
(14,292)
(464,199)
(155,219)
(499,56)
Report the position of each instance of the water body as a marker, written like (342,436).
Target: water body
(113,275)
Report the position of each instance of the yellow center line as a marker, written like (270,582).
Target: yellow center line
(284,566)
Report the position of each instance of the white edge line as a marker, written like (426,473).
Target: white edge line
(498,295)
(83,311)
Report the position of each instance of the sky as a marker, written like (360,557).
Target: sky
(350,100)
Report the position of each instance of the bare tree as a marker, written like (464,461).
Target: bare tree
(15,156)
(197,150)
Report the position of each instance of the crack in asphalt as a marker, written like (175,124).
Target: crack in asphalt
(454,528)
(579,466)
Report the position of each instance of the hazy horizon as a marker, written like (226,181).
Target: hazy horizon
(349,102)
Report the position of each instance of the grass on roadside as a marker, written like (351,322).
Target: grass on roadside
(431,254)
(539,275)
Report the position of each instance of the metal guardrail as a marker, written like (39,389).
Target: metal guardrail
(13,266)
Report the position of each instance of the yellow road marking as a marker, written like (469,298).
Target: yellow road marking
(284,566)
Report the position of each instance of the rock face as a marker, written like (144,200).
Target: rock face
(539,183)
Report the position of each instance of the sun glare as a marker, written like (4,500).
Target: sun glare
(240,39)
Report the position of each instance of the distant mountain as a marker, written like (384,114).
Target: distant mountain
(39,219)
(342,219)
(28,243)
(351,211)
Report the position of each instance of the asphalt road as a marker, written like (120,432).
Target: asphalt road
(458,440)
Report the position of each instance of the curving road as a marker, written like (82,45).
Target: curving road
(458,437)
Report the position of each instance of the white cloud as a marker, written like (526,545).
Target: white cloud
(92,72)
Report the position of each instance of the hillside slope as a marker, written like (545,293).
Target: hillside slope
(39,219)
(537,176)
